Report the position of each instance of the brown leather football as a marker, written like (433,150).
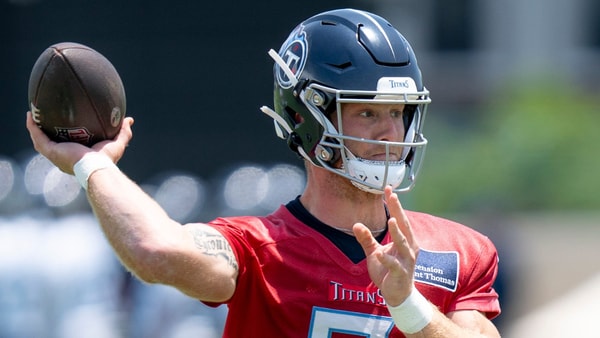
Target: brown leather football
(76,95)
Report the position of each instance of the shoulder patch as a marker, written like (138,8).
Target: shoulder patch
(438,268)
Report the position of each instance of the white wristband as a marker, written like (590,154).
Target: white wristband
(413,314)
(88,164)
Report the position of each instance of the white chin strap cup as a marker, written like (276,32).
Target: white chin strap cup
(373,174)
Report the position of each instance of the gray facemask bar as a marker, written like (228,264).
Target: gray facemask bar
(312,98)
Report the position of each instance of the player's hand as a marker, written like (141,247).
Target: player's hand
(391,266)
(65,154)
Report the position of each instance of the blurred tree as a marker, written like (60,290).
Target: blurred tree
(533,146)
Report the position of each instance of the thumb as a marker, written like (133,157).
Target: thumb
(365,238)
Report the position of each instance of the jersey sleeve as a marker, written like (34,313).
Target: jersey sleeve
(479,293)
(231,229)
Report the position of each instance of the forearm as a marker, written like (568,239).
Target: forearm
(132,221)
(154,247)
(415,316)
(147,241)
(443,327)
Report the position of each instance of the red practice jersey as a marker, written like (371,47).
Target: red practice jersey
(294,282)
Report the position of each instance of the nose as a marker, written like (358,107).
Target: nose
(390,128)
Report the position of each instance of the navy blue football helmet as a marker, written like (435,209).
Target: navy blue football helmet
(345,56)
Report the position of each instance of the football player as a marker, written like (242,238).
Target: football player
(342,259)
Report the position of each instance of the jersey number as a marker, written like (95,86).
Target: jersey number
(329,323)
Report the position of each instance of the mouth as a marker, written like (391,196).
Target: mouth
(376,160)
(382,157)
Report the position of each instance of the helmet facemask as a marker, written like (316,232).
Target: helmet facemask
(333,154)
(348,56)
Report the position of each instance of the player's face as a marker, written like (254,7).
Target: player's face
(381,122)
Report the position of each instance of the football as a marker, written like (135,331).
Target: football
(76,95)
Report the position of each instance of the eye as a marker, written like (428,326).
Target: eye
(366,113)
(397,113)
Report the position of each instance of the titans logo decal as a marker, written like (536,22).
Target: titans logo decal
(294,54)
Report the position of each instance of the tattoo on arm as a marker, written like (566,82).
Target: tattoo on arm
(212,243)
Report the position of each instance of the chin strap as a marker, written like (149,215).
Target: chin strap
(374,176)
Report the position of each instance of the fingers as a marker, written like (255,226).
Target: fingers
(126,134)
(400,241)
(126,125)
(365,238)
(390,262)
(65,154)
(115,148)
(31,127)
(400,230)
(62,155)
(36,134)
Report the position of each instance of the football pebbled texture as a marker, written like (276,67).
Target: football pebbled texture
(76,94)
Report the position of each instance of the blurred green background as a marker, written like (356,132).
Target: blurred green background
(531,146)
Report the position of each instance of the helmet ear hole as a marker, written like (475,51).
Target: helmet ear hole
(293,139)
(293,117)
(298,119)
